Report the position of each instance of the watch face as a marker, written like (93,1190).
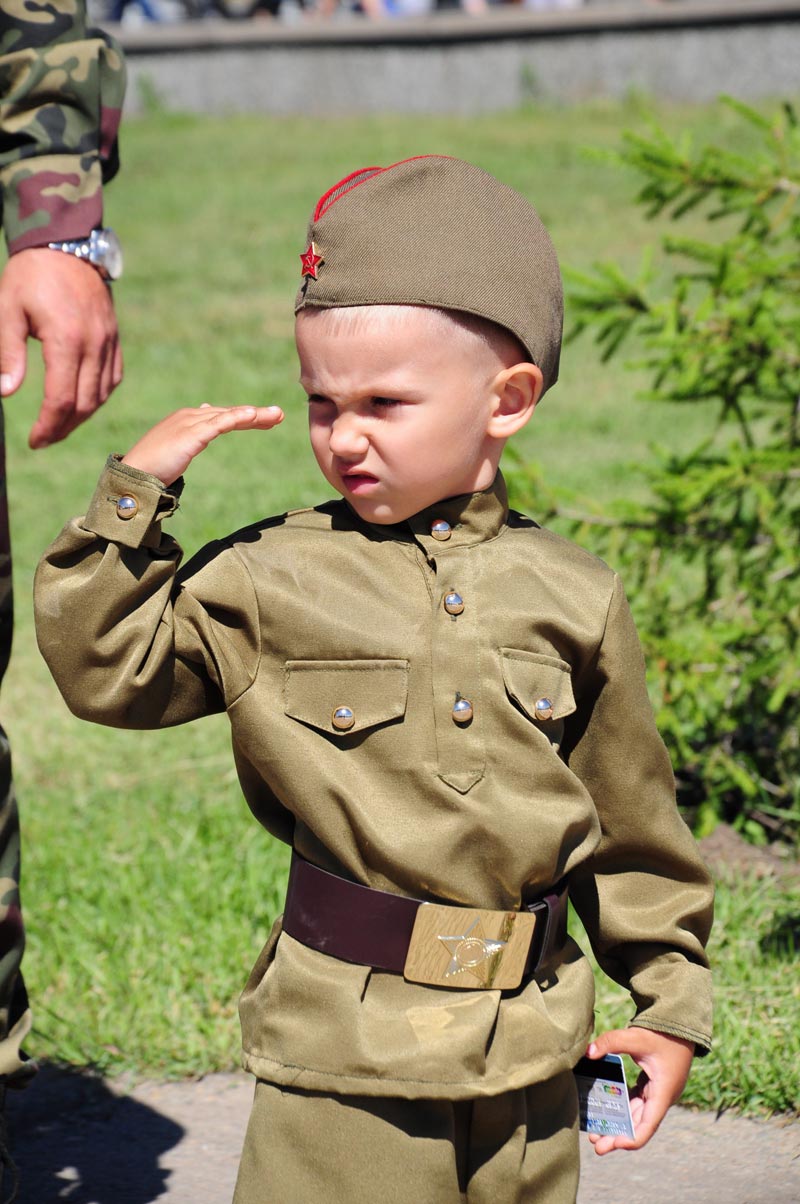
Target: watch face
(107,253)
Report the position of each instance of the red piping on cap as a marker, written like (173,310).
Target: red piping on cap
(360,177)
(357,177)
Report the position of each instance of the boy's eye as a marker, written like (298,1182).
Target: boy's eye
(385,402)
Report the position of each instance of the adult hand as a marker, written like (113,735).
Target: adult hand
(66,305)
(665,1062)
(168,448)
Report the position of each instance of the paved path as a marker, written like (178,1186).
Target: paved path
(80,1140)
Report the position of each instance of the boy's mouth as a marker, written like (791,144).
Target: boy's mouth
(357,481)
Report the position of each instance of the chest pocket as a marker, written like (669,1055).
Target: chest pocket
(341,698)
(541,686)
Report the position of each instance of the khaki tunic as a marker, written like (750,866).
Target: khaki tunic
(293,617)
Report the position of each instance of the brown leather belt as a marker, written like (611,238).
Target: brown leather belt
(440,945)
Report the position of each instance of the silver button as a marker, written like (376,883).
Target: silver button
(462,710)
(343,719)
(441,530)
(453,603)
(543,709)
(127,506)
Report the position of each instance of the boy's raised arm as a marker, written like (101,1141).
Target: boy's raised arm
(129,643)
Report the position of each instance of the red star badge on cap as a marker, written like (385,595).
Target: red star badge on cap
(311,259)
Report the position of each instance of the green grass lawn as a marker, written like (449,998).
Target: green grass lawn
(148,888)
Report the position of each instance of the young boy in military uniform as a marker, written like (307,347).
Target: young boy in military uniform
(440,705)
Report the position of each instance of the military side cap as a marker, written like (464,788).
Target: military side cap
(440,232)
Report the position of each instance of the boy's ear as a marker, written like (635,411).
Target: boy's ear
(516,391)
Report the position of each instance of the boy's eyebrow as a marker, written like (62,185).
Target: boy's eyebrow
(307,383)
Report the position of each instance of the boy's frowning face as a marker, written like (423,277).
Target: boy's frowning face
(399,401)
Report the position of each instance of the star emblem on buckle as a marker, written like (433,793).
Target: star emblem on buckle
(486,951)
(310,260)
(471,951)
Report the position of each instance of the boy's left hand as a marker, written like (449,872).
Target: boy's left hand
(665,1062)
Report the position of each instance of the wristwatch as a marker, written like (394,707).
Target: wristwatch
(101,249)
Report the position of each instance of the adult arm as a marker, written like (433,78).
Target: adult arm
(61,91)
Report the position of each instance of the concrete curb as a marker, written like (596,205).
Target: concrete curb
(500,24)
(453,63)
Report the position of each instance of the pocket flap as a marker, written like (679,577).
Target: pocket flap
(344,697)
(534,677)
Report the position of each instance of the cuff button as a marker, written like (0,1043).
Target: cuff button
(127,507)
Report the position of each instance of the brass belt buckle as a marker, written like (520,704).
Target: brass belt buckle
(469,948)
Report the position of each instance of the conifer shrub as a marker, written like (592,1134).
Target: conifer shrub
(710,559)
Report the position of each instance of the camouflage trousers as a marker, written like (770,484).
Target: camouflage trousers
(15,1017)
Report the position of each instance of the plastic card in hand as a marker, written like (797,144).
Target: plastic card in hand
(603,1096)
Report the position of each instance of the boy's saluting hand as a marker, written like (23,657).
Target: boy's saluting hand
(665,1062)
(168,448)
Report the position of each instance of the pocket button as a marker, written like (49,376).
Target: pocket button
(343,719)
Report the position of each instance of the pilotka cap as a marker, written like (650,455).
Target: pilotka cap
(440,232)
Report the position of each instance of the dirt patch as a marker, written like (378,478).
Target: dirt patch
(725,853)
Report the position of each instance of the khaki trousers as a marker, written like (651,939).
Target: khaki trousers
(516,1148)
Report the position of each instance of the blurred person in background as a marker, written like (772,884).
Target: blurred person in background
(118,9)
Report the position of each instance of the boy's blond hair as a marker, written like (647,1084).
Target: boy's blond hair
(469,332)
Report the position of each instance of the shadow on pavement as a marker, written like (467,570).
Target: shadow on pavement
(75,1140)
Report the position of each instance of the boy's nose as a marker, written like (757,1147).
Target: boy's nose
(347,437)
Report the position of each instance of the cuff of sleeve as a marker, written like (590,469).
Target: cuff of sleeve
(702,1041)
(54,198)
(128,505)
(674,996)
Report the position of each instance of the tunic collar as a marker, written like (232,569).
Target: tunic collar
(458,522)
(469,518)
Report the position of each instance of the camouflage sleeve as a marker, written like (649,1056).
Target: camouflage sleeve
(61,91)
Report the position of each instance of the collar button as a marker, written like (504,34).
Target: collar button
(441,530)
